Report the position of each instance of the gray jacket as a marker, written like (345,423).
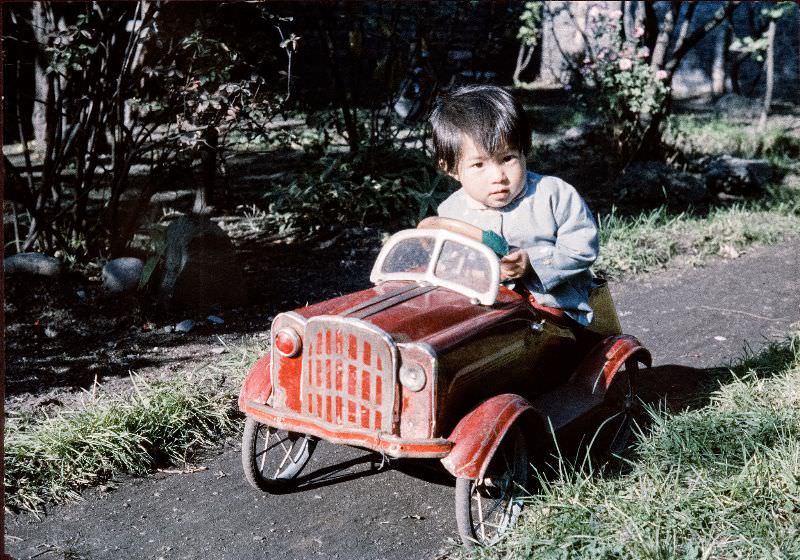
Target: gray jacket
(552,223)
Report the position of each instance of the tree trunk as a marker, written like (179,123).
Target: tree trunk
(523,60)
(41,85)
(562,39)
(204,195)
(770,71)
(718,71)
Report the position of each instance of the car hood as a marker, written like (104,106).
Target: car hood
(438,316)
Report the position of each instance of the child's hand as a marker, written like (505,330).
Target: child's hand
(514,265)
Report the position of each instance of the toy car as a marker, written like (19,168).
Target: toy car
(440,361)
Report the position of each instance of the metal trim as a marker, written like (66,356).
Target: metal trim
(389,405)
(434,448)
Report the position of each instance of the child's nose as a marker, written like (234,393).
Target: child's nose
(498,174)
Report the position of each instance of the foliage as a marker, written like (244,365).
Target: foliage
(756,44)
(618,85)
(530,23)
(717,482)
(161,423)
(127,94)
(392,188)
(529,33)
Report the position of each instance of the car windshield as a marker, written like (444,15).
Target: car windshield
(441,258)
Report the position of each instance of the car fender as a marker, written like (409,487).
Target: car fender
(257,386)
(479,433)
(598,369)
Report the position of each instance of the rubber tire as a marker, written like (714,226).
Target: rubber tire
(253,474)
(464,487)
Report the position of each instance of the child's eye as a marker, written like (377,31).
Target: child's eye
(477,164)
(509,157)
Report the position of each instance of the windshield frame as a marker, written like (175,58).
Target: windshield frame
(439,237)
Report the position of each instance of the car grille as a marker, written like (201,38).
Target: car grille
(348,374)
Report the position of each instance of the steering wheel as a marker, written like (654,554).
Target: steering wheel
(487,237)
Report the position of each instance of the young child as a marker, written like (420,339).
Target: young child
(481,138)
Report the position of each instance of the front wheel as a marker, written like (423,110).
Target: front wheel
(272,458)
(488,508)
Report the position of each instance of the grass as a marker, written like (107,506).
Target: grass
(721,481)
(697,136)
(652,240)
(158,424)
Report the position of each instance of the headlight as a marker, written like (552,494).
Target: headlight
(288,342)
(412,377)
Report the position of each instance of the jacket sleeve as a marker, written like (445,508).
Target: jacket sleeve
(576,246)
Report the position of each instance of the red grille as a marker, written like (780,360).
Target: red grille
(348,374)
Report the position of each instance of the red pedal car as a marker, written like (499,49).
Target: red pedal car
(440,361)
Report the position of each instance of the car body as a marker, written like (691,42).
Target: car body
(438,360)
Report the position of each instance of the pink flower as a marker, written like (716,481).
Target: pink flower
(594,11)
(661,75)
(625,64)
(638,32)
(587,60)
(643,52)
(615,14)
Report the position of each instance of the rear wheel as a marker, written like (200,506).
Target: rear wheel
(486,509)
(272,458)
(622,404)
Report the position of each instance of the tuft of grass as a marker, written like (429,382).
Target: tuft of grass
(718,482)
(651,240)
(158,424)
(697,136)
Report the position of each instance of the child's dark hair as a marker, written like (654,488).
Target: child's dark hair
(487,114)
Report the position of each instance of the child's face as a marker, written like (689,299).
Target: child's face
(494,180)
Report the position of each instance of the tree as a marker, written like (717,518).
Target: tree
(760,44)
(119,93)
(529,33)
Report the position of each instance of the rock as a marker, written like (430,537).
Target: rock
(654,182)
(122,275)
(737,176)
(216,320)
(184,326)
(200,267)
(37,264)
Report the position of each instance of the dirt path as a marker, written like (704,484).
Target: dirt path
(690,319)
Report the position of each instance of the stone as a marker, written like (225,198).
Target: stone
(737,176)
(184,326)
(653,182)
(200,267)
(215,319)
(37,264)
(122,275)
